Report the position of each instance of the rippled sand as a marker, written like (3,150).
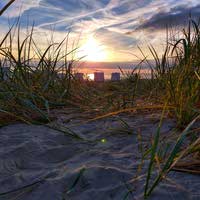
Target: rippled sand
(40,163)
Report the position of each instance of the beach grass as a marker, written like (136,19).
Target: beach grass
(33,82)
(177,72)
(174,156)
(180,81)
(36,83)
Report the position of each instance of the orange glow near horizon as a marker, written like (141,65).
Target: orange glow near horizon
(92,50)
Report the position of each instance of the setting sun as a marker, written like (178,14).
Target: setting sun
(92,50)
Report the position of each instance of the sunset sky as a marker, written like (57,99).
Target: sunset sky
(107,30)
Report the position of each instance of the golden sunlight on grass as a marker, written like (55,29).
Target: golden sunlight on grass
(92,50)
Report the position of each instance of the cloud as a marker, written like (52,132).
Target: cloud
(177,16)
(107,20)
(19,7)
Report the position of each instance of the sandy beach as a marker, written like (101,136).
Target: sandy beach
(38,162)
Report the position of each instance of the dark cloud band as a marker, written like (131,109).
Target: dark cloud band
(177,16)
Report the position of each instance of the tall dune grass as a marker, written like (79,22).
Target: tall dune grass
(38,82)
(181,85)
(175,74)
(34,81)
(176,154)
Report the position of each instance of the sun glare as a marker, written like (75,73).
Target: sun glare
(92,50)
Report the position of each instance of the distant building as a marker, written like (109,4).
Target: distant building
(99,77)
(4,72)
(79,76)
(115,76)
(61,75)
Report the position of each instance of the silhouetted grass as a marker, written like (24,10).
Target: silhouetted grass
(34,80)
(176,73)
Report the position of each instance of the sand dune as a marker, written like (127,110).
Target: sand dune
(39,163)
